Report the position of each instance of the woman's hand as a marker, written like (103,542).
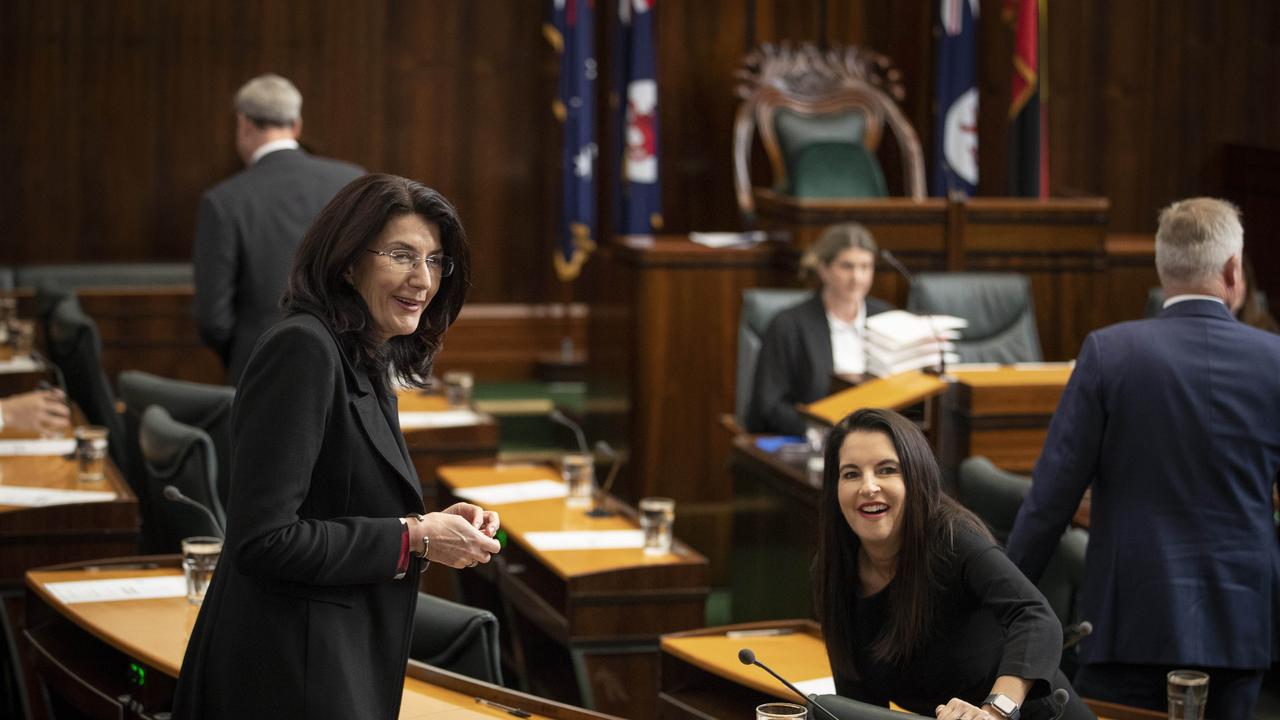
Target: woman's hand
(455,536)
(486,521)
(43,411)
(958,709)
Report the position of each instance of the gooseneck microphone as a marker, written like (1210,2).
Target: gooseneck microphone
(561,419)
(902,270)
(747,657)
(602,492)
(174,494)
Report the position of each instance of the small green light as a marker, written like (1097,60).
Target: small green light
(137,674)
(501,537)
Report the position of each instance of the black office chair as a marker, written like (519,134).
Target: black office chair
(177,454)
(207,407)
(998,306)
(75,347)
(457,638)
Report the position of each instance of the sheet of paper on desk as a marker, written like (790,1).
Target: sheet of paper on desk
(19,496)
(38,446)
(19,364)
(817,686)
(586,540)
(142,588)
(445,418)
(486,495)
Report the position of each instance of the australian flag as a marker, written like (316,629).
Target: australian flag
(641,193)
(955,166)
(572,33)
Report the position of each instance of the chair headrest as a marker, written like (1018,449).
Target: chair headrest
(991,302)
(164,441)
(760,305)
(192,403)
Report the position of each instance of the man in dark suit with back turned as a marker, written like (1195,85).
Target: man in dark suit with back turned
(1175,421)
(250,224)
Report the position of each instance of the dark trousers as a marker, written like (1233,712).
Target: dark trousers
(1232,692)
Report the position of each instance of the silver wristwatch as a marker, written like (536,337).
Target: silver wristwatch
(1003,705)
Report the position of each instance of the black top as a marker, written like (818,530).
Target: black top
(991,621)
(794,365)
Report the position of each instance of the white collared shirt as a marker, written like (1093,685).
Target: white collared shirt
(270,147)
(848,351)
(1190,296)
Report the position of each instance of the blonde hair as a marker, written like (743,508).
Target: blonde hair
(1195,239)
(833,241)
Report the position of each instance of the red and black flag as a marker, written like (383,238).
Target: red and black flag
(1028,128)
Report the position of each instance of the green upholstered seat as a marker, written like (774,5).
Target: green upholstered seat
(824,158)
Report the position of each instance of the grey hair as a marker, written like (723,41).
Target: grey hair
(1195,239)
(269,100)
(833,241)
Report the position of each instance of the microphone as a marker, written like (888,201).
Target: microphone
(602,492)
(561,419)
(902,270)
(175,495)
(747,657)
(1073,634)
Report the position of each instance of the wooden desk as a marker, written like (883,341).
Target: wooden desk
(582,624)
(121,659)
(702,678)
(471,439)
(18,375)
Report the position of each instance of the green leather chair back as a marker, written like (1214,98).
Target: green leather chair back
(824,157)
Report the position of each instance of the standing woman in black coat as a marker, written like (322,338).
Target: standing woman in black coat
(918,604)
(310,610)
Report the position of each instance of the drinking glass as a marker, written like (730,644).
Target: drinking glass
(91,453)
(457,387)
(781,711)
(579,473)
(1188,692)
(199,558)
(22,335)
(657,515)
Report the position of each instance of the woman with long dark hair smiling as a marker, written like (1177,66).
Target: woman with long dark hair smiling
(310,610)
(918,604)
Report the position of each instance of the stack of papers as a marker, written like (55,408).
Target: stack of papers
(486,495)
(46,446)
(898,341)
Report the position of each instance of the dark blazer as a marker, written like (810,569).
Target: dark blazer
(794,366)
(247,231)
(303,617)
(1175,421)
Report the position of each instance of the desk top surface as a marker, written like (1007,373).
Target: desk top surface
(156,631)
(54,472)
(556,515)
(799,655)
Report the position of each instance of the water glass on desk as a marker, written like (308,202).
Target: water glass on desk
(457,388)
(22,336)
(657,515)
(1188,693)
(781,711)
(579,473)
(91,453)
(8,313)
(199,559)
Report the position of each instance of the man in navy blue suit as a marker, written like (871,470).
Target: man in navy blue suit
(1175,422)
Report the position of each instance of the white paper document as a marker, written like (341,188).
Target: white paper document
(143,588)
(586,540)
(486,495)
(445,418)
(19,364)
(37,446)
(817,686)
(728,239)
(20,496)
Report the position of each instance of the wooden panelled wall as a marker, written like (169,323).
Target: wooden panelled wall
(116,113)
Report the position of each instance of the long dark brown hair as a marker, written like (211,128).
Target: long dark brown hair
(344,229)
(930,520)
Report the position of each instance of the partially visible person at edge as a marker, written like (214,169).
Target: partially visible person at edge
(310,610)
(918,604)
(806,344)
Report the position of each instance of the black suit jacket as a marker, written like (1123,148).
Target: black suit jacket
(247,231)
(794,366)
(303,617)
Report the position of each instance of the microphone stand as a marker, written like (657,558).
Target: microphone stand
(598,509)
(173,494)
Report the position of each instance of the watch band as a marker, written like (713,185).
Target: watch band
(1004,706)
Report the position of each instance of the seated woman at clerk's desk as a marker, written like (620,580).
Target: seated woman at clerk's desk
(805,344)
(42,411)
(918,604)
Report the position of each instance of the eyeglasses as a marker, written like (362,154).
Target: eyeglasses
(407,262)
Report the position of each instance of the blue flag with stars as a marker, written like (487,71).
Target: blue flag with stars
(572,33)
(955,162)
(641,196)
